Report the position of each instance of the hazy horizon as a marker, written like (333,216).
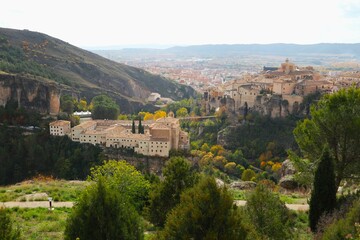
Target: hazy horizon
(109,23)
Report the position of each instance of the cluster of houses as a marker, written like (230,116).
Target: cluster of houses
(287,83)
(159,137)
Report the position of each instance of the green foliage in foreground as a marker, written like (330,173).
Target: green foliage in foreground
(345,228)
(7,229)
(335,122)
(124,178)
(323,195)
(206,212)
(268,214)
(40,223)
(166,195)
(103,213)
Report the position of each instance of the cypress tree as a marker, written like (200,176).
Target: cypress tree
(141,128)
(323,195)
(133,126)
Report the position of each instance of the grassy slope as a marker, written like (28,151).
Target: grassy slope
(40,223)
(89,73)
(59,190)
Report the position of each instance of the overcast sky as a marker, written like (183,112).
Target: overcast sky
(186,22)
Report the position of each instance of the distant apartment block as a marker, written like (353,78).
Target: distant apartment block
(159,136)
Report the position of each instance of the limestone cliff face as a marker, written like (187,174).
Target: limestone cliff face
(267,105)
(30,94)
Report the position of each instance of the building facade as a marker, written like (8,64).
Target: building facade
(159,137)
(60,128)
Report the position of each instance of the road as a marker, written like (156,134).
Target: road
(45,204)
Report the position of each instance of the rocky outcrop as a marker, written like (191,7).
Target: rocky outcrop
(145,163)
(31,93)
(243,185)
(287,172)
(288,182)
(287,168)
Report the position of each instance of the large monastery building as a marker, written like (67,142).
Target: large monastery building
(159,136)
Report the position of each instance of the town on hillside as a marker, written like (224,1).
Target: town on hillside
(275,91)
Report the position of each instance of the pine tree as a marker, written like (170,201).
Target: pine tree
(178,176)
(205,211)
(323,195)
(133,126)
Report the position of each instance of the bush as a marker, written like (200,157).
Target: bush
(248,175)
(123,177)
(347,228)
(103,213)
(206,212)
(268,214)
(166,195)
(7,231)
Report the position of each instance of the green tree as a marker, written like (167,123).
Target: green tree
(248,175)
(205,147)
(133,126)
(7,230)
(335,121)
(178,176)
(205,212)
(323,195)
(104,108)
(140,127)
(182,112)
(67,104)
(103,213)
(124,178)
(268,214)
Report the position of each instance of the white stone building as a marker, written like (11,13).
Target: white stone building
(159,137)
(60,128)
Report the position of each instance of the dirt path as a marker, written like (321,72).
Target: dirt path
(45,204)
(296,207)
(36,204)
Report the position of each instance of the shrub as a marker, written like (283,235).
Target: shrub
(7,230)
(268,214)
(103,213)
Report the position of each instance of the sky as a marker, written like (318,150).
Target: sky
(107,23)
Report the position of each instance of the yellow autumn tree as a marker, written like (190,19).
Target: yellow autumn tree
(159,114)
(148,116)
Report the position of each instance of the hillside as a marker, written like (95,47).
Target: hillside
(318,54)
(31,60)
(270,49)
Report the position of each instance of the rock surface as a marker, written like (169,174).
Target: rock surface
(243,185)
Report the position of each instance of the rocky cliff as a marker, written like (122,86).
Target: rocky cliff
(30,93)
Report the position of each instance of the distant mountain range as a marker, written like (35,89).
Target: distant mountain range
(271,49)
(238,50)
(30,57)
